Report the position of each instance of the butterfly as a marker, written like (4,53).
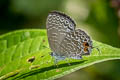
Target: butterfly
(64,40)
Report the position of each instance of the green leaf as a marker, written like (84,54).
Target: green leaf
(24,54)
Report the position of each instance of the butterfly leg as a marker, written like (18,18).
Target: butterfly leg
(56,62)
(68,61)
(54,58)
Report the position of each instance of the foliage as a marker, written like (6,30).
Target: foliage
(24,54)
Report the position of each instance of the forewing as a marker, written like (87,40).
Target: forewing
(58,25)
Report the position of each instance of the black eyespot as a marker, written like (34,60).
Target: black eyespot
(86,44)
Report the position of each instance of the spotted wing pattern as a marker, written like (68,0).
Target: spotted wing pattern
(72,45)
(58,25)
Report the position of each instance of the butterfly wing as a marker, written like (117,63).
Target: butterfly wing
(58,25)
(73,44)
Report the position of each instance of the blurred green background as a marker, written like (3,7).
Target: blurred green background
(99,18)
